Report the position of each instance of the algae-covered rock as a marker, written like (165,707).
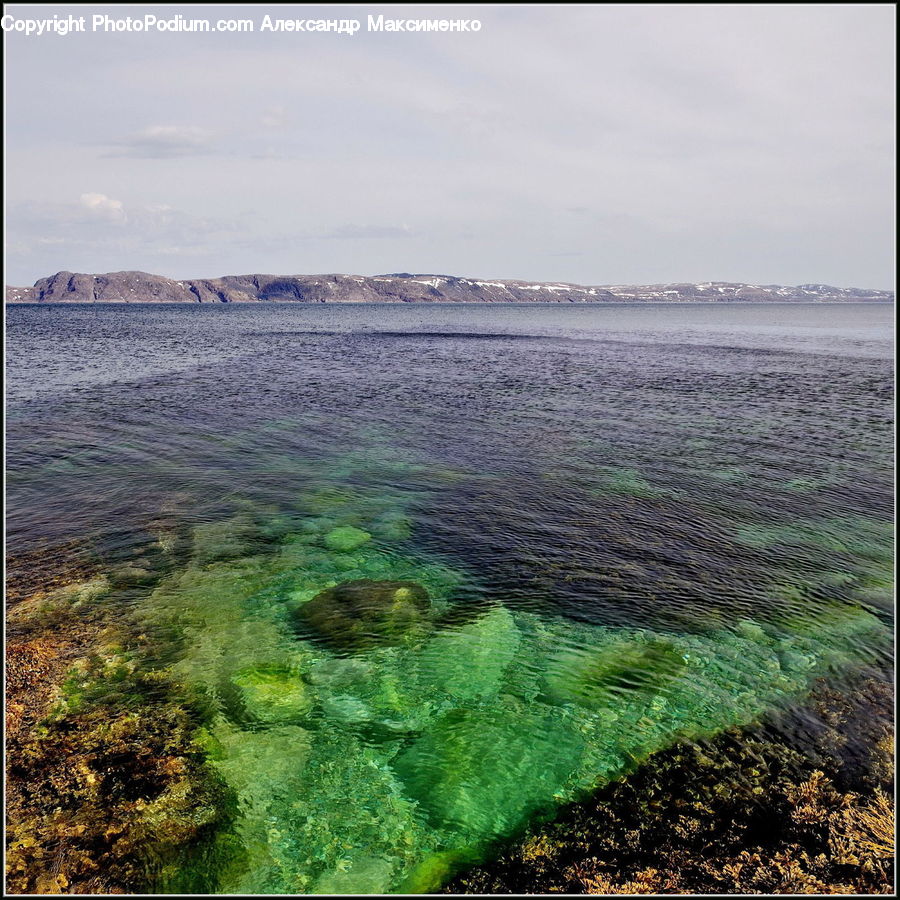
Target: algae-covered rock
(347,709)
(78,593)
(317,525)
(598,676)
(357,873)
(343,813)
(346,538)
(128,576)
(337,673)
(393,526)
(224,540)
(436,870)
(267,695)
(481,772)
(360,614)
(803,485)
(469,662)
(331,500)
(628,482)
(752,631)
(730,474)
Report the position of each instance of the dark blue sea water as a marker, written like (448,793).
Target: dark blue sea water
(632,523)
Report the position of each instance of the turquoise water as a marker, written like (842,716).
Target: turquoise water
(438,571)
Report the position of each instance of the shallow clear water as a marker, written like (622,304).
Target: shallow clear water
(572,535)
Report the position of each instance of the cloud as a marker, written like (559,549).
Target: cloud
(274,117)
(104,207)
(164,142)
(355,232)
(725,133)
(99,229)
(93,212)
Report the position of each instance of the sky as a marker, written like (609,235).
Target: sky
(599,144)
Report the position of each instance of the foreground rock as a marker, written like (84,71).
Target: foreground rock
(140,287)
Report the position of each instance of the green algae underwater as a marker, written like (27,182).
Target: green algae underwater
(378,735)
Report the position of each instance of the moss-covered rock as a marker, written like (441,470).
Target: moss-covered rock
(481,772)
(224,540)
(360,614)
(468,662)
(596,677)
(268,695)
(346,538)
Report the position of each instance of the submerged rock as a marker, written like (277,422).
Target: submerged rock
(267,695)
(599,677)
(360,614)
(741,813)
(469,662)
(436,870)
(346,538)
(357,873)
(232,538)
(482,771)
(394,526)
(317,525)
(348,709)
(130,576)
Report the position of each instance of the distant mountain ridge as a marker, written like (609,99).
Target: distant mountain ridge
(403,287)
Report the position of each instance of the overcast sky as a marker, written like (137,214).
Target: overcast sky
(599,145)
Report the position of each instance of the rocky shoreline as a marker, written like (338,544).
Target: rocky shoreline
(141,287)
(107,790)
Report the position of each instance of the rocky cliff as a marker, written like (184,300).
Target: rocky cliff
(139,287)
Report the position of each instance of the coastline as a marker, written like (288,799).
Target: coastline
(127,287)
(598,303)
